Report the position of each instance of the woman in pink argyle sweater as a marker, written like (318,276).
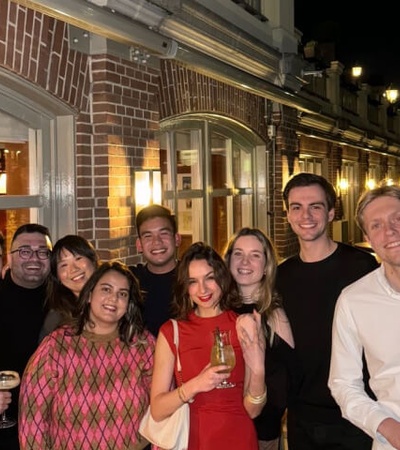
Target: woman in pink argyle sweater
(87,385)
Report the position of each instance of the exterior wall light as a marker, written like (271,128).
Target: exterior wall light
(343,185)
(356,71)
(392,94)
(3,172)
(147,188)
(370,183)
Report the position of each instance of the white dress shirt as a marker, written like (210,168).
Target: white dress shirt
(367,316)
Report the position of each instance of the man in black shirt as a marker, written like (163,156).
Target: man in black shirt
(22,295)
(158,241)
(310,283)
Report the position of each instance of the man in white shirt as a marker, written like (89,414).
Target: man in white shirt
(367,321)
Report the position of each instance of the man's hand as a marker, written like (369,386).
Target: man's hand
(390,429)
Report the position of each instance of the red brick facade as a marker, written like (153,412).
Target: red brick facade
(119,104)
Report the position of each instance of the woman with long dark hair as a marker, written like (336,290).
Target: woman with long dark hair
(87,385)
(205,295)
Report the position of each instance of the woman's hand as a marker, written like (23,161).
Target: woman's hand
(210,377)
(207,380)
(252,340)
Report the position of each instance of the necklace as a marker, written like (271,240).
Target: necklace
(248,300)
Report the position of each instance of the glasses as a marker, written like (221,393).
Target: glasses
(26,253)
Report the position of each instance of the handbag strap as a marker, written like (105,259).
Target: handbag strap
(176,342)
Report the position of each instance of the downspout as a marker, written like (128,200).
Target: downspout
(271,155)
(119,28)
(102,22)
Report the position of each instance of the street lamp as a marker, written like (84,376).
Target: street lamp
(392,96)
(356,71)
(352,76)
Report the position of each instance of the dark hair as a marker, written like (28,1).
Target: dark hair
(152,211)
(308,179)
(182,304)
(131,324)
(59,297)
(368,196)
(31,228)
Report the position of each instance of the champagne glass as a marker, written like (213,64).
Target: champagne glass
(222,353)
(8,380)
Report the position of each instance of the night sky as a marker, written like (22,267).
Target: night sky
(362,34)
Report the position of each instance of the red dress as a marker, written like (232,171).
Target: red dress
(218,419)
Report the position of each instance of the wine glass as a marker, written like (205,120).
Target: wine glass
(222,353)
(8,380)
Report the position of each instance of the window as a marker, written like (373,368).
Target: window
(40,184)
(209,178)
(349,193)
(310,164)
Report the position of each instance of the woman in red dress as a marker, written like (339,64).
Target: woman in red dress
(220,419)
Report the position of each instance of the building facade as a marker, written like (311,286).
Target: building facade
(209,98)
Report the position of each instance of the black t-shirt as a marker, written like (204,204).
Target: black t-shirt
(158,293)
(309,292)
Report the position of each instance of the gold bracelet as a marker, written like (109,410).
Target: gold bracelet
(183,396)
(257,399)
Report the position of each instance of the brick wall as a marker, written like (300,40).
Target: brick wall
(117,114)
(36,48)
(184,91)
(124,119)
(119,105)
(287,152)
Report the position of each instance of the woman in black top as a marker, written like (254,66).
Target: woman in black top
(252,261)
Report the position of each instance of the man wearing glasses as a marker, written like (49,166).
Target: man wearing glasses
(22,296)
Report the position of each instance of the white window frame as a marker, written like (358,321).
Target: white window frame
(50,130)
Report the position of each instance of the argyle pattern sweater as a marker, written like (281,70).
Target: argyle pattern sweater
(85,392)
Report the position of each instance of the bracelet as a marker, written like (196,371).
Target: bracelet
(182,395)
(257,399)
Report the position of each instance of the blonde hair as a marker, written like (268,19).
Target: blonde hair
(368,196)
(267,299)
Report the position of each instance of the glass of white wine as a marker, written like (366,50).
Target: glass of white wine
(222,353)
(8,380)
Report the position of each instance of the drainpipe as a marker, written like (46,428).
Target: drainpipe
(271,155)
(98,20)
(102,22)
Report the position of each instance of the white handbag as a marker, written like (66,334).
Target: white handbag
(171,433)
